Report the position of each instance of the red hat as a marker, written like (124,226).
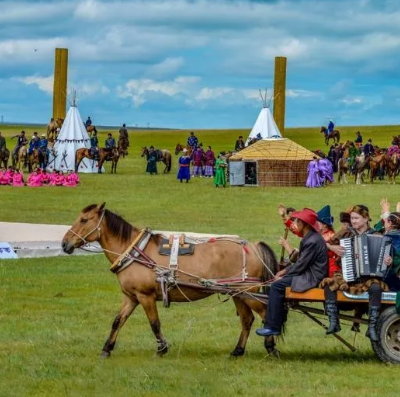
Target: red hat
(308,216)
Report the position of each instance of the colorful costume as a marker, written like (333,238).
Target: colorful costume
(393,150)
(220,178)
(210,161)
(71,180)
(198,155)
(18,179)
(35,179)
(53,178)
(184,168)
(151,162)
(3,178)
(314,179)
(60,179)
(326,170)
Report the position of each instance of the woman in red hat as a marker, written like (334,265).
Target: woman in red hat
(308,271)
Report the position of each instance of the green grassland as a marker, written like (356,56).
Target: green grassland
(56,313)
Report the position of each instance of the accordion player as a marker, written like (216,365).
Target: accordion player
(364,256)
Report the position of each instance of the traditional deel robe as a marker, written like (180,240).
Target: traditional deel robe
(184,168)
(192,141)
(353,152)
(35,180)
(220,178)
(152,162)
(45,178)
(18,179)
(3,178)
(314,179)
(312,266)
(326,170)
(71,180)
(210,161)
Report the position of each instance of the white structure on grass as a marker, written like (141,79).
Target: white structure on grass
(265,126)
(73,136)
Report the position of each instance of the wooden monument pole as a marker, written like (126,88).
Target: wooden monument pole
(60,83)
(279,93)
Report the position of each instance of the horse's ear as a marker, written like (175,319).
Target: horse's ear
(101,208)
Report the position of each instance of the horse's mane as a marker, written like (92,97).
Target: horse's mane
(117,226)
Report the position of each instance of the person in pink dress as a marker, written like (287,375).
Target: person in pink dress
(3,178)
(45,178)
(53,178)
(18,179)
(8,175)
(35,179)
(60,179)
(72,179)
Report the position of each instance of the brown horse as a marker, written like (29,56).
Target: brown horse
(335,135)
(103,155)
(52,128)
(179,148)
(219,258)
(362,163)
(343,163)
(4,159)
(21,158)
(392,164)
(123,145)
(33,160)
(377,164)
(90,129)
(163,155)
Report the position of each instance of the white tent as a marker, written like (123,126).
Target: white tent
(265,126)
(72,137)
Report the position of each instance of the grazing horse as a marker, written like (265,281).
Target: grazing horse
(391,167)
(343,163)
(4,159)
(179,148)
(90,129)
(218,258)
(335,135)
(82,153)
(52,128)
(163,155)
(377,164)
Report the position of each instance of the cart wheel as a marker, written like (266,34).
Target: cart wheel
(388,329)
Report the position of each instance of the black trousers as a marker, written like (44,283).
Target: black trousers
(374,291)
(276,300)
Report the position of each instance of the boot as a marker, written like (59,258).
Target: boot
(373,319)
(332,311)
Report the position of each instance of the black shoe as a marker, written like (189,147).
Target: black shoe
(332,312)
(372,334)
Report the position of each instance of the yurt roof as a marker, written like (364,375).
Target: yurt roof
(274,149)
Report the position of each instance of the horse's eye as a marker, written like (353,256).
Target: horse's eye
(83,220)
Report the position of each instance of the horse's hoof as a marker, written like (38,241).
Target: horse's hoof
(238,352)
(105,354)
(162,349)
(275,353)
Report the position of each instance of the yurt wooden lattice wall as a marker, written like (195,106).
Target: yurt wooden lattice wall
(276,162)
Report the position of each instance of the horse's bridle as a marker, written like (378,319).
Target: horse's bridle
(97,227)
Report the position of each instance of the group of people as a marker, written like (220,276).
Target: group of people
(318,262)
(39,177)
(320,172)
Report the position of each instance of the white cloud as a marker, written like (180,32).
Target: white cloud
(166,67)
(44,83)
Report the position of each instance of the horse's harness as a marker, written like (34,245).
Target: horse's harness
(97,227)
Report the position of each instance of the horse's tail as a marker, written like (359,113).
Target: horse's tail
(270,263)
(95,129)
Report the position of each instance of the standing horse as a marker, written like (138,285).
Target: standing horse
(123,144)
(90,129)
(343,163)
(220,258)
(21,158)
(179,148)
(52,127)
(4,159)
(377,164)
(335,135)
(33,160)
(102,154)
(362,163)
(391,167)
(163,155)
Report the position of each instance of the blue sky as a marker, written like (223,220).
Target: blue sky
(199,64)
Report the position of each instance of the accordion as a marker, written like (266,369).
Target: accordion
(363,256)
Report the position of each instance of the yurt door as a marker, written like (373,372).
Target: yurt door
(236,173)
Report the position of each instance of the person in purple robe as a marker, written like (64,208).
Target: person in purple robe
(198,157)
(326,170)
(313,179)
(184,167)
(210,162)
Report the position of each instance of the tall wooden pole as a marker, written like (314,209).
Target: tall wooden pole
(279,93)
(60,83)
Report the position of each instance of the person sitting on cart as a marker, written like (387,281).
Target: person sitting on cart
(359,218)
(306,273)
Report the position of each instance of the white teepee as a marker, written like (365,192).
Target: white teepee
(72,137)
(265,126)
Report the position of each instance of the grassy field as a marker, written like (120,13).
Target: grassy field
(56,313)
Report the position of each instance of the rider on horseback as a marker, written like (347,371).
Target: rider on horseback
(88,123)
(21,140)
(34,143)
(110,142)
(2,146)
(94,146)
(331,127)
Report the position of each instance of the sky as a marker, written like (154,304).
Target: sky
(200,63)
